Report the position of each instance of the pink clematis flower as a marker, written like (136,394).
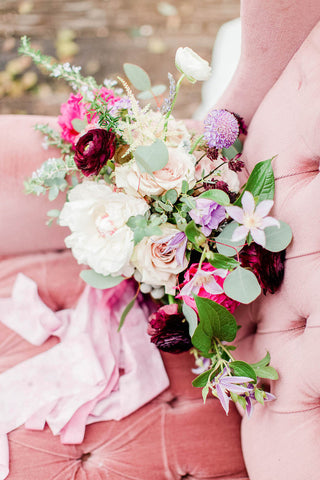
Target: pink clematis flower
(253,218)
(224,383)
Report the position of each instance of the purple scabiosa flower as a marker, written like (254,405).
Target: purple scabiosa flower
(221,129)
(169,330)
(267,266)
(224,383)
(208,214)
(252,218)
(178,242)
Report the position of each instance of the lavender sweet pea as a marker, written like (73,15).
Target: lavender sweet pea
(208,214)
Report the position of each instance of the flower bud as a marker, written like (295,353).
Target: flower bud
(192,65)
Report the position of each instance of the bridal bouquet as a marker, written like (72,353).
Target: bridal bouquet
(148,198)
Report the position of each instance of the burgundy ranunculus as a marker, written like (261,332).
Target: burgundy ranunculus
(169,330)
(93,150)
(267,266)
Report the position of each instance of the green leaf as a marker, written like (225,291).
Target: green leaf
(232,151)
(202,379)
(266,372)
(141,228)
(260,183)
(184,187)
(205,392)
(200,340)
(278,239)
(225,238)
(221,261)
(218,196)
(96,280)
(125,312)
(171,196)
(222,323)
(259,395)
(193,232)
(151,158)
(191,317)
(155,91)
(137,76)
(242,285)
(53,192)
(243,369)
(79,124)
(262,363)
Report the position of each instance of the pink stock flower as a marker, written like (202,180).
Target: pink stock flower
(207,283)
(252,219)
(74,109)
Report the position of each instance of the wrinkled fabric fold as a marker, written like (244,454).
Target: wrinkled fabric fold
(95,373)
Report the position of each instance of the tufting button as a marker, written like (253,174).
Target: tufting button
(84,457)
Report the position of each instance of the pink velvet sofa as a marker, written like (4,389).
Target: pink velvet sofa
(175,436)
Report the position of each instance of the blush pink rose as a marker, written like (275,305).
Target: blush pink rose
(220,298)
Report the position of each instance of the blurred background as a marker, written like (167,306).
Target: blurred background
(101,35)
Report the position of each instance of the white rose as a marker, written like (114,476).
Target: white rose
(100,238)
(192,65)
(180,167)
(156,262)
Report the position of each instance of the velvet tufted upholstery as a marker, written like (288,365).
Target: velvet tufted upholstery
(175,436)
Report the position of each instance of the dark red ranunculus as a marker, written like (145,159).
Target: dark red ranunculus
(267,266)
(93,150)
(169,330)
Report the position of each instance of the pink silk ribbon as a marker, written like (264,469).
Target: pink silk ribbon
(94,374)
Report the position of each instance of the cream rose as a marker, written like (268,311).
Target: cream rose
(157,262)
(192,65)
(100,238)
(223,172)
(179,167)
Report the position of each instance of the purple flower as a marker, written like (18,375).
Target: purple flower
(253,218)
(202,365)
(250,399)
(221,129)
(224,384)
(177,242)
(208,214)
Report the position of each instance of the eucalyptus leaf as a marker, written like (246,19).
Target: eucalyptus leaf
(191,317)
(184,187)
(218,196)
(224,239)
(243,369)
(260,183)
(155,91)
(53,192)
(242,285)
(171,196)
(151,158)
(278,239)
(222,323)
(96,280)
(79,124)
(137,76)
(232,151)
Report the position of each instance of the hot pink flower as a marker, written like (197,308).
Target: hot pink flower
(73,109)
(207,283)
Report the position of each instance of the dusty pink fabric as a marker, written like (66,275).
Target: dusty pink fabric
(272,32)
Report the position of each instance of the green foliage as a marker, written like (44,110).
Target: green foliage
(261,182)
(243,369)
(278,239)
(191,317)
(242,285)
(218,196)
(141,228)
(151,158)
(102,282)
(233,151)
(202,379)
(222,261)
(224,243)
(137,76)
(216,320)
(263,370)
